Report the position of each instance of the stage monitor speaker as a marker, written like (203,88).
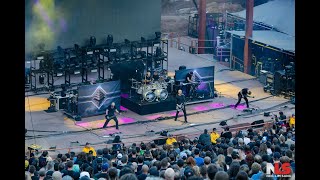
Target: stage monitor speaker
(259,123)
(182,67)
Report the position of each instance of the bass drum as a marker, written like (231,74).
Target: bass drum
(162,94)
(149,96)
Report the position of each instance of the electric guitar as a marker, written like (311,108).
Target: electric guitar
(180,107)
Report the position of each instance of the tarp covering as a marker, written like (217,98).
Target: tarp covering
(279,14)
(271,38)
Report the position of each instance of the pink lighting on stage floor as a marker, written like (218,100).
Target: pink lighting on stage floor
(153,117)
(123,108)
(84,124)
(174,113)
(240,106)
(125,120)
(216,105)
(200,108)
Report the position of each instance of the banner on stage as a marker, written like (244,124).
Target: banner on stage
(94,99)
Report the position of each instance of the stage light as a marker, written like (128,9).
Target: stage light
(59,74)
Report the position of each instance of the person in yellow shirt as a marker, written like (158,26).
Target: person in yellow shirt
(88,148)
(214,136)
(170,140)
(292,121)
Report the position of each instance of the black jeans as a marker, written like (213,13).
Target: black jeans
(184,113)
(108,119)
(188,88)
(239,100)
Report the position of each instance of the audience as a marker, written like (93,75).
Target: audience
(240,156)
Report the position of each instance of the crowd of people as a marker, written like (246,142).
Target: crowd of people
(241,155)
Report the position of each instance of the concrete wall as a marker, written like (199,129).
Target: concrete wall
(66,22)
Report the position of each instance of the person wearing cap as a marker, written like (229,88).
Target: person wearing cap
(84,173)
(110,114)
(214,136)
(88,149)
(170,140)
(188,172)
(103,173)
(99,159)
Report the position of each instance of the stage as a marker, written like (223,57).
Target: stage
(55,129)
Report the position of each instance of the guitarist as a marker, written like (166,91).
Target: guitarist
(110,115)
(180,105)
(244,93)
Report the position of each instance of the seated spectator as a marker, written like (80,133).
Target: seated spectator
(214,136)
(199,160)
(88,149)
(170,140)
(103,173)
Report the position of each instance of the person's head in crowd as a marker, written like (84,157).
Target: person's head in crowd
(284,159)
(266,158)
(188,172)
(234,169)
(242,176)
(169,174)
(113,173)
(211,171)
(129,176)
(157,164)
(258,159)
(207,160)
(180,163)
(164,163)
(245,168)
(125,170)
(56,175)
(69,165)
(196,170)
(255,168)
(221,175)
(235,155)
(249,159)
(76,167)
(67,177)
(203,171)
(64,158)
(32,169)
(42,173)
(153,171)
(84,173)
(229,150)
(191,162)
(124,159)
(276,156)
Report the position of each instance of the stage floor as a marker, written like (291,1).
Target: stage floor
(56,130)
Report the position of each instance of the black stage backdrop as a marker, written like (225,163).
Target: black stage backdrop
(94,99)
(68,22)
(204,75)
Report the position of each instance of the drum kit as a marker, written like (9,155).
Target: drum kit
(154,91)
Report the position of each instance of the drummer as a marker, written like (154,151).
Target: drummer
(155,76)
(147,78)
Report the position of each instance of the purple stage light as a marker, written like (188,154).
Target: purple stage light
(125,96)
(125,120)
(123,108)
(240,106)
(216,105)
(200,108)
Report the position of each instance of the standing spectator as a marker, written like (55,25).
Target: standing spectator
(226,134)
(205,138)
(199,160)
(169,174)
(144,173)
(289,141)
(292,121)
(221,162)
(211,171)
(255,171)
(228,158)
(70,172)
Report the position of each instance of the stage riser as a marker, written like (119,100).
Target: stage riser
(144,109)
